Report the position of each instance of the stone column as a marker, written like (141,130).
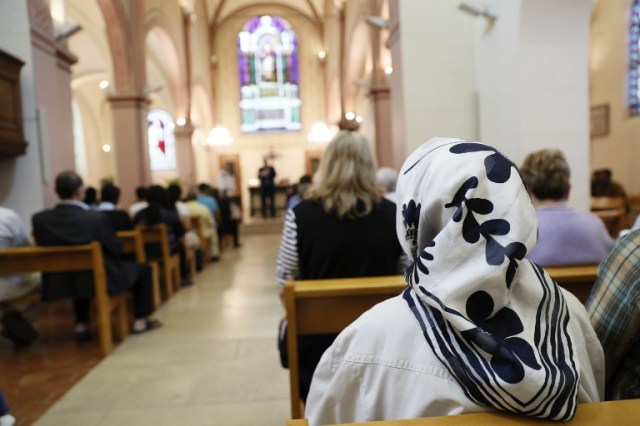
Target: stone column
(184,154)
(52,81)
(381,99)
(130,146)
(433,93)
(533,83)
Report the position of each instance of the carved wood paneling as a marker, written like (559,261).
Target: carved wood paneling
(12,141)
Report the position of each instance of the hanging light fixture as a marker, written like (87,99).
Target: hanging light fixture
(219,136)
(320,133)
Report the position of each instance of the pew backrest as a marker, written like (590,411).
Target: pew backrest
(328,306)
(617,413)
(170,263)
(577,279)
(133,243)
(87,257)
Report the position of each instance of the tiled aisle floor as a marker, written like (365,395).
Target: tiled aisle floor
(34,378)
(214,362)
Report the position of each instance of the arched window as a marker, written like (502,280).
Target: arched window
(269,75)
(162,149)
(79,149)
(634,59)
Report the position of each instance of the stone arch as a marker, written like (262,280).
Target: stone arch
(358,68)
(119,35)
(161,42)
(202,120)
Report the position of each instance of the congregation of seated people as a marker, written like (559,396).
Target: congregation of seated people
(471,241)
(85,214)
(475,239)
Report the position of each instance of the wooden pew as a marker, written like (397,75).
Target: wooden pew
(612,211)
(132,243)
(190,254)
(169,263)
(308,302)
(86,257)
(619,413)
(577,279)
(196,225)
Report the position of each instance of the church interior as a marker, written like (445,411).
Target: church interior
(141,92)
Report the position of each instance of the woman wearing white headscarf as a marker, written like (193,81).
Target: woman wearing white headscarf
(478,327)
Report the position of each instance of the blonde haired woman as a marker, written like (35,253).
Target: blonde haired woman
(343,228)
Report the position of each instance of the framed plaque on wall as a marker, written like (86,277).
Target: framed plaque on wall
(599,121)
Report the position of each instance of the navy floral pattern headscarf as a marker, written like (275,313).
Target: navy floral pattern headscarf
(498,323)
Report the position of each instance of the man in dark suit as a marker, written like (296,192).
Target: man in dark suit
(267,176)
(70,222)
(109,197)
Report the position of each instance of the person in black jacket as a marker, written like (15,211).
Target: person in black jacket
(343,228)
(109,197)
(70,222)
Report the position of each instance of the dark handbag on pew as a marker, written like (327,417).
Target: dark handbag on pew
(282,343)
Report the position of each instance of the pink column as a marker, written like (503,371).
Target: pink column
(184,154)
(381,97)
(129,113)
(52,83)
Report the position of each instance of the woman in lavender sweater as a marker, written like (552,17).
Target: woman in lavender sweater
(565,236)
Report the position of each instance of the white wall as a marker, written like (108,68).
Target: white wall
(533,83)
(20,178)
(435,65)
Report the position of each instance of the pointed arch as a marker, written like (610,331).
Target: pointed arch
(119,36)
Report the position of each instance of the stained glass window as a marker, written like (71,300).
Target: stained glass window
(634,59)
(162,149)
(269,75)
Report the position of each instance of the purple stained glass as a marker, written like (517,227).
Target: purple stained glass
(253,24)
(294,61)
(242,66)
(263,39)
(280,24)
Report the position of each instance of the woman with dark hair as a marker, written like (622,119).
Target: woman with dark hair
(162,210)
(343,228)
(479,327)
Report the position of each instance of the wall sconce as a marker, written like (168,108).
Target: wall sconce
(475,12)
(155,89)
(181,121)
(388,70)
(378,22)
(219,136)
(64,31)
(106,147)
(104,84)
(322,56)
(350,121)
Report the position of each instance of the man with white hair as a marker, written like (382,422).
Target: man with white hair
(387,178)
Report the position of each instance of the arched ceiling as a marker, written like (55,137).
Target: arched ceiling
(218,10)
